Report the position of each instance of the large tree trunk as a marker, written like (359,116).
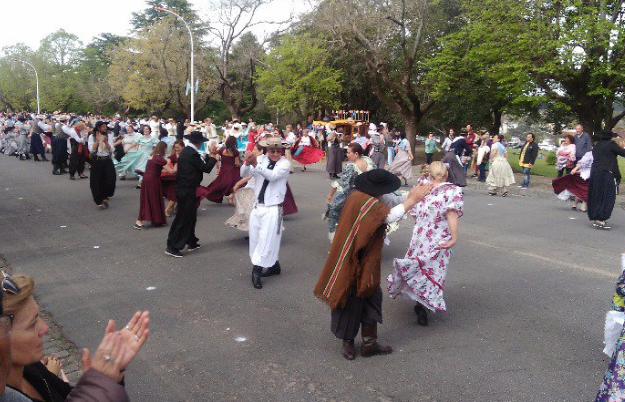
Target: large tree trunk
(497,115)
(411,124)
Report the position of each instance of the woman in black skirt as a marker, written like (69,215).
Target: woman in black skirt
(602,181)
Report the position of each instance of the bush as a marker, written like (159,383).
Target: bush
(551,158)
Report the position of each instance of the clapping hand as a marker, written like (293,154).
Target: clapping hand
(118,348)
(419,191)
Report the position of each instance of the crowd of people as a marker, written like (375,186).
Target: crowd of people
(254,163)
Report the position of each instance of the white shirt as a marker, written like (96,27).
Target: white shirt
(108,152)
(291,138)
(44,126)
(276,190)
(72,133)
(305,140)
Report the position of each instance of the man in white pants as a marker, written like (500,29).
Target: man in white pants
(265,226)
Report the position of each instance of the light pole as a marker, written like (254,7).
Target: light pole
(36,78)
(190,37)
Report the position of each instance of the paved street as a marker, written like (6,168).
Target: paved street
(527,291)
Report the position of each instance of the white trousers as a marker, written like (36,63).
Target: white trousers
(265,235)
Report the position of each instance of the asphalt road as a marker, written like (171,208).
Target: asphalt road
(527,291)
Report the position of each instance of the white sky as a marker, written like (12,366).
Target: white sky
(89,18)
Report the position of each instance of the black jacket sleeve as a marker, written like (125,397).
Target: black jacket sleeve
(196,161)
(534,153)
(616,149)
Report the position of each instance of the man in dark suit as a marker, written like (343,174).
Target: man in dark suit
(191,169)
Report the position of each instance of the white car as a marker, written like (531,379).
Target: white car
(548,148)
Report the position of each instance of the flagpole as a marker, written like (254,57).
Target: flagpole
(191,37)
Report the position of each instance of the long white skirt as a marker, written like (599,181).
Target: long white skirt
(500,173)
(265,235)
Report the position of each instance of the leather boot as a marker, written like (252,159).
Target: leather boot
(257,272)
(275,270)
(422,315)
(349,351)
(55,169)
(43,158)
(370,345)
(62,169)
(36,157)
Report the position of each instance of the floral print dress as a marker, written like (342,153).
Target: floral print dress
(420,275)
(612,388)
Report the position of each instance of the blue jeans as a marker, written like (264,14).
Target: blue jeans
(391,154)
(482,176)
(526,176)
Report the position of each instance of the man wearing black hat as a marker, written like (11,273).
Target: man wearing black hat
(191,169)
(350,280)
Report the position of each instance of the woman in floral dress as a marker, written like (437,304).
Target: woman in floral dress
(612,388)
(420,275)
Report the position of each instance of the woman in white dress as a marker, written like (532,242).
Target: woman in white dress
(402,163)
(500,174)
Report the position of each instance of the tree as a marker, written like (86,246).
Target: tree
(570,51)
(147,17)
(296,77)
(151,70)
(62,47)
(17,81)
(237,51)
(391,39)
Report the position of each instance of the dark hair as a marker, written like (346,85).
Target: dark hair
(160,148)
(356,148)
(604,135)
(179,142)
(231,145)
(261,148)
(571,138)
(98,124)
(533,136)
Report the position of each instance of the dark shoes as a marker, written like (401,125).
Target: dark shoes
(257,273)
(275,270)
(422,315)
(370,345)
(173,252)
(349,351)
(192,247)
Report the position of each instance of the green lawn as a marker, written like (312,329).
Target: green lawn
(541,168)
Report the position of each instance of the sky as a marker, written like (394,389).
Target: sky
(89,18)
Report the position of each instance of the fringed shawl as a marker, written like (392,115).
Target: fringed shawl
(356,251)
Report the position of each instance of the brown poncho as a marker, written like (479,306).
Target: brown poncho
(356,251)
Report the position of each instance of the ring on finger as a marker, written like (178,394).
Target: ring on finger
(128,328)
(107,358)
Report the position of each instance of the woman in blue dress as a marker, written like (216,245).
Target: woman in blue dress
(137,158)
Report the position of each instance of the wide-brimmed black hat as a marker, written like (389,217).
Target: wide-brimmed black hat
(377,182)
(195,136)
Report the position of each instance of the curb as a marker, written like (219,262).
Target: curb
(55,342)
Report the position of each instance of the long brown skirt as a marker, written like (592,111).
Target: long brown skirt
(346,321)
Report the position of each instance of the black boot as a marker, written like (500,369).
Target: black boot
(62,169)
(36,157)
(275,270)
(55,169)
(422,315)
(43,158)
(22,157)
(257,272)
(370,345)
(27,156)
(349,351)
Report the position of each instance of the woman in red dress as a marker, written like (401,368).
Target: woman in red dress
(152,205)
(227,176)
(168,180)
(306,150)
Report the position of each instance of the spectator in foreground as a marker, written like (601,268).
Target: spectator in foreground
(22,349)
